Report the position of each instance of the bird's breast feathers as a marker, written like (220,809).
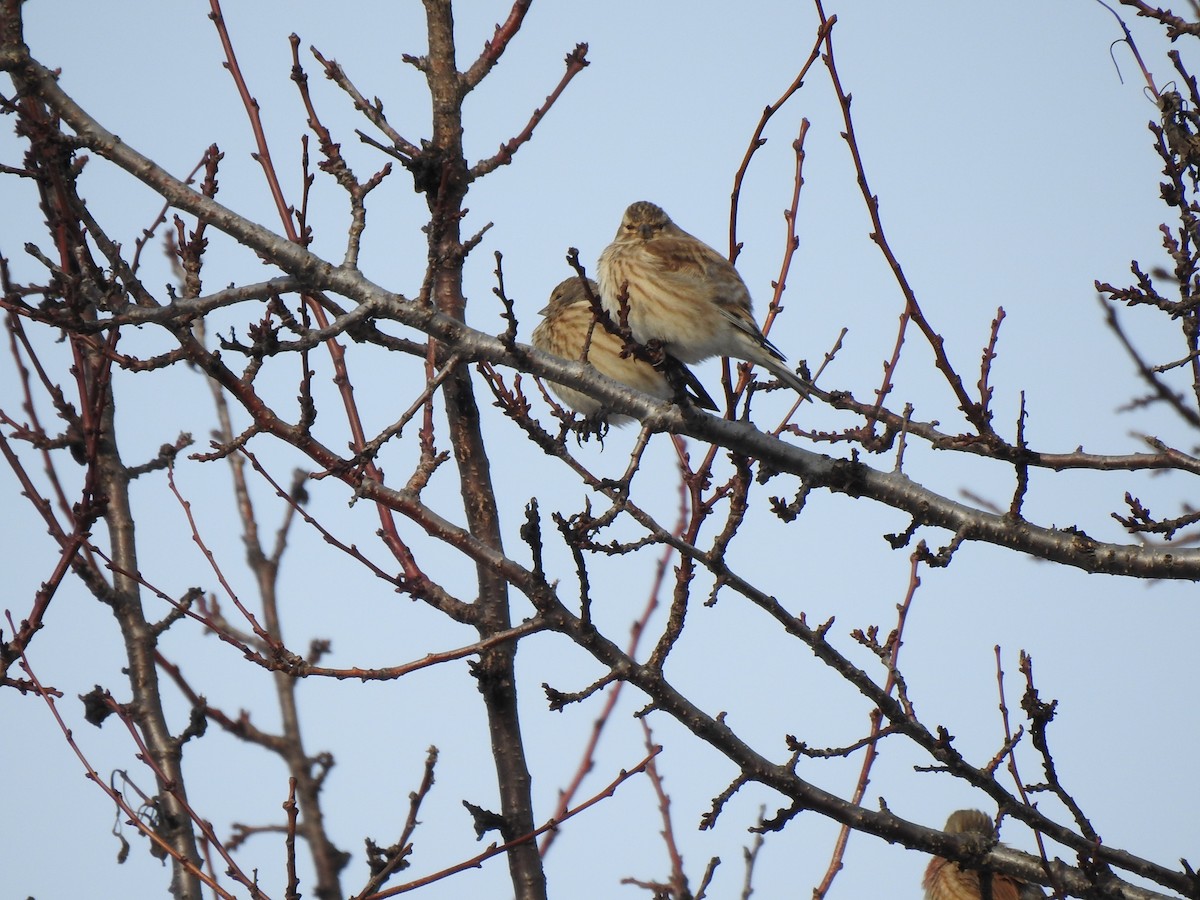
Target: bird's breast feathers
(683,257)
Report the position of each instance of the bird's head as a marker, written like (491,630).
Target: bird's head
(643,221)
(567,293)
(970,821)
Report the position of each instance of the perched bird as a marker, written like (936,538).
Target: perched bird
(945,880)
(683,293)
(570,330)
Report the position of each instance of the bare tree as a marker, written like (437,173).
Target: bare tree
(264,348)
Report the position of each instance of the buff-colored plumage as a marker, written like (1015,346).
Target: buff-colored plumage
(683,293)
(945,880)
(569,330)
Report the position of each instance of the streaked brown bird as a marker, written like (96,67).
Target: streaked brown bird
(945,880)
(570,331)
(683,293)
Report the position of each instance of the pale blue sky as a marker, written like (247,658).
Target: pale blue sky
(1013,170)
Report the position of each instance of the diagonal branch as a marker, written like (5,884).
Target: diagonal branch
(576,62)
(494,49)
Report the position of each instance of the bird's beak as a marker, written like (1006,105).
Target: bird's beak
(645,231)
(545,310)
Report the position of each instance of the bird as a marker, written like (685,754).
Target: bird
(946,880)
(569,330)
(684,294)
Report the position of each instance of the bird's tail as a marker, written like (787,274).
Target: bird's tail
(780,370)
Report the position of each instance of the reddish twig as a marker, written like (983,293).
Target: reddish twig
(757,140)
(588,758)
(233,870)
(750,855)
(402,148)
(912,310)
(894,643)
(678,882)
(261,633)
(403,846)
(793,243)
(497,849)
(90,773)
(1010,742)
(985,366)
(390,534)
(1021,466)
(18,341)
(161,218)
(494,49)
(576,63)
(1176,27)
(292,892)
